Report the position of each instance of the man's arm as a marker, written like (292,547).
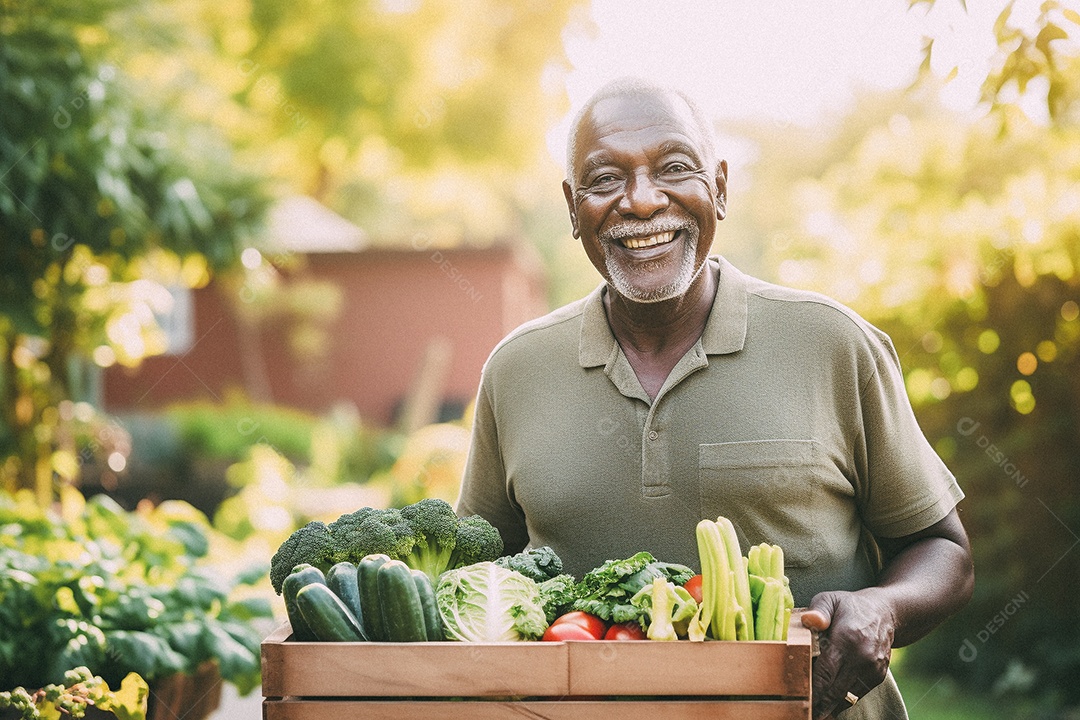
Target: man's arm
(928,576)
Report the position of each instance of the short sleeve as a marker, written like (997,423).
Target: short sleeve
(484,489)
(905,485)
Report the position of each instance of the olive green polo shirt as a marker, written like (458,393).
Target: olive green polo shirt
(789,417)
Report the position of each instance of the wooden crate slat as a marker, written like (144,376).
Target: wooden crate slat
(414,669)
(644,667)
(703,709)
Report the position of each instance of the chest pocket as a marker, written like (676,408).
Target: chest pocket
(777,491)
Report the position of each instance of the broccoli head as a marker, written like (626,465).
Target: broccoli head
(434,527)
(368,531)
(426,535)
(310,544)
(540,563)
(477,540)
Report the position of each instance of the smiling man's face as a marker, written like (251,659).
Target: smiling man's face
(645,200)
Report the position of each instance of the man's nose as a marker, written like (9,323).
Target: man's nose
(643,197)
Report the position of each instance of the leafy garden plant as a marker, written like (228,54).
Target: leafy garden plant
(94,586)
(79,691)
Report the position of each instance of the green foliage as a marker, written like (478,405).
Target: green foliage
(226,431)
(1028,51)
(117,592)
(79,691)
(107,197)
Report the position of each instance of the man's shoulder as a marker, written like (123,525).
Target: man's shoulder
(560,328)
(794,310)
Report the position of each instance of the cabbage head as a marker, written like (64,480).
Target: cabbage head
(484,602)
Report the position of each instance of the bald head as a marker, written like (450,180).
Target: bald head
(667,101)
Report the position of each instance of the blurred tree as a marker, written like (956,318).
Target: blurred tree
(106,197)
(411,118)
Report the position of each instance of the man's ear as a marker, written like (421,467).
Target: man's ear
(568,193)
(721,190)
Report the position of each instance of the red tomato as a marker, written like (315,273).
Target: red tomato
(693,586)
(625,631)
(594,625)
(567,631)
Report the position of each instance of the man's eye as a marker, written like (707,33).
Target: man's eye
(677,167)
(605,179)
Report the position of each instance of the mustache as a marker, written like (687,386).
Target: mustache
(646,228)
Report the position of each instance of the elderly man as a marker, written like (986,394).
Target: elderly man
(682,389)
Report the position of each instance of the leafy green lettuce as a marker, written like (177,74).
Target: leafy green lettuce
(606,591)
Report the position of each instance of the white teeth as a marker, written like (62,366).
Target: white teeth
(637,243)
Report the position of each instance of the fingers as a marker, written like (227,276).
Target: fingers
(815,620)
(818,615)
(855,650)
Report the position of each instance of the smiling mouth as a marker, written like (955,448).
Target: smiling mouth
(636,243)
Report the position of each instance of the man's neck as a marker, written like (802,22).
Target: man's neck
(655,336)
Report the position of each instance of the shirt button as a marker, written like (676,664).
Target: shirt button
(653,434)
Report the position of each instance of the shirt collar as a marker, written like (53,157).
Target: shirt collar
(725,330)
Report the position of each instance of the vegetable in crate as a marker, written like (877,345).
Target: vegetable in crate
(426,535)
(576,625)
(343,580)
(539,564)
(719,616)
(326,615)
(742,598)
(300,576)
(557,595)
(765,563)
(668,609)
(309,545)
(484,602)
(606,590)
(367,576)
(399,603)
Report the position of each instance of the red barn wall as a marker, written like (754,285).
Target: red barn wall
(395,302)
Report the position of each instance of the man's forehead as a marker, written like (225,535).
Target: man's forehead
(666,112)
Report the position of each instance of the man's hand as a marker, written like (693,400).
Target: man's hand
(856,638)
(927,576)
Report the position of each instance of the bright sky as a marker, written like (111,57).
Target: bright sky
(783,61)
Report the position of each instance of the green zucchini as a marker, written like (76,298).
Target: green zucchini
(367,578)
(432,619)
(301,576)
(327,615)
(399,603)
(342,580)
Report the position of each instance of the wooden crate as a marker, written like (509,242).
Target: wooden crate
(575,680)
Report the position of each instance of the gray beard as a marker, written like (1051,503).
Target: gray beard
(623,283)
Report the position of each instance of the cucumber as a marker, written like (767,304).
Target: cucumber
(367,578)
(327,615)
(399,603)
(432,619)
(301,576)
(341,579)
